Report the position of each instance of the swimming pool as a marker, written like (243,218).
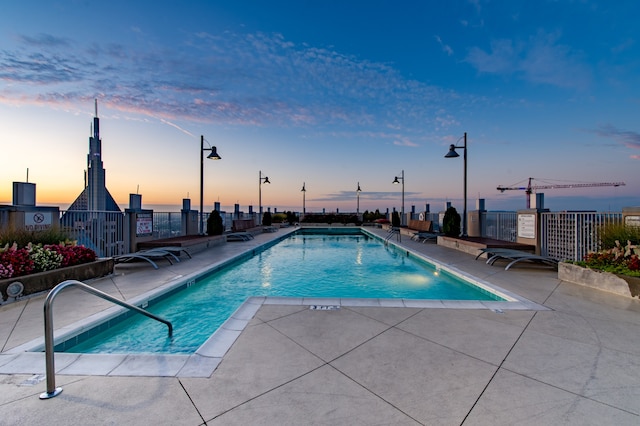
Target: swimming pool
(307,264)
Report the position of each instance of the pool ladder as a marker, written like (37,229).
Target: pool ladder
(52,390)
(393,231)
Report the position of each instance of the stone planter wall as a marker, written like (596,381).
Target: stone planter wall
(605,281)
(43,281)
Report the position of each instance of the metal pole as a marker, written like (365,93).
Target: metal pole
(402,220)
(464,218)
(201,184)
(260,197)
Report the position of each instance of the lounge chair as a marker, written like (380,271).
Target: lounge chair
(515,256)
(174,250)
(239,236)
(424,237)
(147,256)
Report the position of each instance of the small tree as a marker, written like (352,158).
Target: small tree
(266,219)
(451,223)
(214,223)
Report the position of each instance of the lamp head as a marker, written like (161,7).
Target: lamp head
(303,190)
(358,190)
(214,154)
(452,152)
(266,179)
(396,181)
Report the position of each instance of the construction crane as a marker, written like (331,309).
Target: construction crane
(529,189)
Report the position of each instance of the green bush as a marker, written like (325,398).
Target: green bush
(22,237)
(451,223)
(611,233)
(266,219)
(214,223)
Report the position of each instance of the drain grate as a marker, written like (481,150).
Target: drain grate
(324,307)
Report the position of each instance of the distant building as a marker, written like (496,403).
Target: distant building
(95,196)
(94,217)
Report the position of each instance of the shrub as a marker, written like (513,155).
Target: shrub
(609,234)
(214,223)
(22,237)
(624,260)
(266,219)
(451,222)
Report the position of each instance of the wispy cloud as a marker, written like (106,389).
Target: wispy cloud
(624,137)
(238,79)
(541,59)
(445,47)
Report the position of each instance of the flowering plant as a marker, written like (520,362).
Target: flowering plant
(15,262)
(620,259)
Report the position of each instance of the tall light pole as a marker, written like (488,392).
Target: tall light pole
(358,191)
(212,156)
(453,154)
(260,180)
(304,207)
(395,182)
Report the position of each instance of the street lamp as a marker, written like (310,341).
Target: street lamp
(453,154)
(304,208)
(358,191)
(260,180)
(212,156)
(395,182)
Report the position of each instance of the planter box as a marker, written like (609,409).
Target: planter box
(619,284)
(42,281)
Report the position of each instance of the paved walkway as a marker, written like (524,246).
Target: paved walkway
(577,362)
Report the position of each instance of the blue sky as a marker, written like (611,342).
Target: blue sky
(329,93)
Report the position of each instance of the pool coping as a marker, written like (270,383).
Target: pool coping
(202,363)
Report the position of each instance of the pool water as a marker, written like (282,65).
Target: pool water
(344,266)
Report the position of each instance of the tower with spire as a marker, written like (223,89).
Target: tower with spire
(95,196)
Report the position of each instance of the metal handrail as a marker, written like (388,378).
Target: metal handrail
(48,328)
(393,231)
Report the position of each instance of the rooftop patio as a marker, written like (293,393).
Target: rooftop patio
(576,363)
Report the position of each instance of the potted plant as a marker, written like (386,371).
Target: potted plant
(615,268)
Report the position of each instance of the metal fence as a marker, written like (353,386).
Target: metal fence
(571,235)
(167,225)
(101,231)
(500,225)
(563,236)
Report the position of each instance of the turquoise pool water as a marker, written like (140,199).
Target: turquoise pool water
(303,265)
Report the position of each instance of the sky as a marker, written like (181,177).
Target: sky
(329,94)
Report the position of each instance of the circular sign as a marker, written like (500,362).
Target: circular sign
(38,217)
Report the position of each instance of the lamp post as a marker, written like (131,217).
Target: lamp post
(395,182)
(260,180)
(453,154)
(358,191)
(213,155)
(304,208)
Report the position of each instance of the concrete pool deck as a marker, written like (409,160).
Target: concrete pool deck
(577,362)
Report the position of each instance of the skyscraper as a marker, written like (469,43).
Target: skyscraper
(95,196)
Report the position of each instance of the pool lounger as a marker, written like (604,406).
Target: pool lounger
(146,255)
(174,250)
(239,236)
(515,256)
(423,237)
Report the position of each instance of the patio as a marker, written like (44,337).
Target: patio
(576,363)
